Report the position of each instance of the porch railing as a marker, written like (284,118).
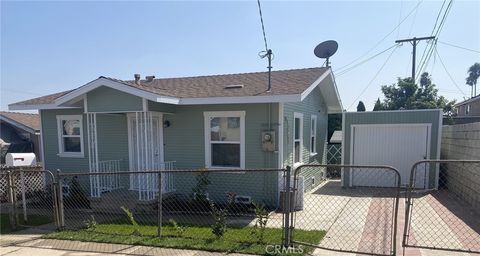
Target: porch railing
(109,182)
(167,177)
(147,183)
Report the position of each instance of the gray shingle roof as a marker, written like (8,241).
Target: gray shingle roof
(284,82)
(31,121)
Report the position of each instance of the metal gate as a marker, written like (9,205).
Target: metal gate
(444,213)
(353,218)
(29,197)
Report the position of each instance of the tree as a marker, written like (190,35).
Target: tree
(378,105)
(407,95)
(334,123)
(473,74)
(361,107)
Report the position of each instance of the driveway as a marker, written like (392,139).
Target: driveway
(361,219)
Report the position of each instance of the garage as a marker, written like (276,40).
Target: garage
(392,138)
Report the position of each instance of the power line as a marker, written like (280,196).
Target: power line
(400,17)
(425,62)
(364,61)
(459,47)
(383,39)
(432,33)
(263,27)
(448,73)
(374,77)
(268,52)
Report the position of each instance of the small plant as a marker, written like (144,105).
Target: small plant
(179,230)
(219,216)
(231,201)
(90,224)
(136,230)
(261,214)
(77,196)
(201,187)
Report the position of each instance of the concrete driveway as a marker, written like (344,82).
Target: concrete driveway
(361,220)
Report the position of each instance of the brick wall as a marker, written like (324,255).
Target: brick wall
(462,141)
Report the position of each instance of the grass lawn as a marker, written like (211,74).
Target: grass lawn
(236,239)
(32,220)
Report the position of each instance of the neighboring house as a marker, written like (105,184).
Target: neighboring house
(470,107)
(467,111)
(218,121)
(19,133)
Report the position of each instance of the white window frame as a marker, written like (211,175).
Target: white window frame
(313,135)
(208,149)
(300,139)
(61,151)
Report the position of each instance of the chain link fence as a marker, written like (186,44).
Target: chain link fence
(356,216)
(443,207)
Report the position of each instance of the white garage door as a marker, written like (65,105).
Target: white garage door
(399,146)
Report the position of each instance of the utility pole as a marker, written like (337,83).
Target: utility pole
(414,42)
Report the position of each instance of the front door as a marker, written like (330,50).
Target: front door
(145,151)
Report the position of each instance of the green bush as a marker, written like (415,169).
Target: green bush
(261,215)
(136,227)
(220,220)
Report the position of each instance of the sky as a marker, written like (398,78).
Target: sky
(47,47)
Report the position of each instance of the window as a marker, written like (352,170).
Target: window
(297,137)
(313,135)
(70,136)
(225,139)
(467,109)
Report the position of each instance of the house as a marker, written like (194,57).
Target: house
(467,111)
(20,133)
(219,121)
(397,138)
(469,108)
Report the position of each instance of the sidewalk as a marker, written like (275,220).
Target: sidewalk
(28,242)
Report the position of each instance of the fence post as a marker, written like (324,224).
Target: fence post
(160,209)
(59,199)
(24,201)
(286,210)
(11,200)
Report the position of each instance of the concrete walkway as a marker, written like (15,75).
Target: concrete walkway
(28,242)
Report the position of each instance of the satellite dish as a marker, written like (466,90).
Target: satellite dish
(326,49)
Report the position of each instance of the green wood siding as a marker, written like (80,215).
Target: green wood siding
(106,99)
(313,104)
(426,116)
(50,139)
(185,143)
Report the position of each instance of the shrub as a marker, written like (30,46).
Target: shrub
(261,215)
(90,224)
(201,187)
(219,216)
(179,230)
(77,196)
(136,230)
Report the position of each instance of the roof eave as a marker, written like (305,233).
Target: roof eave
(18,124)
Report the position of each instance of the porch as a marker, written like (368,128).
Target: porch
(127,142)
